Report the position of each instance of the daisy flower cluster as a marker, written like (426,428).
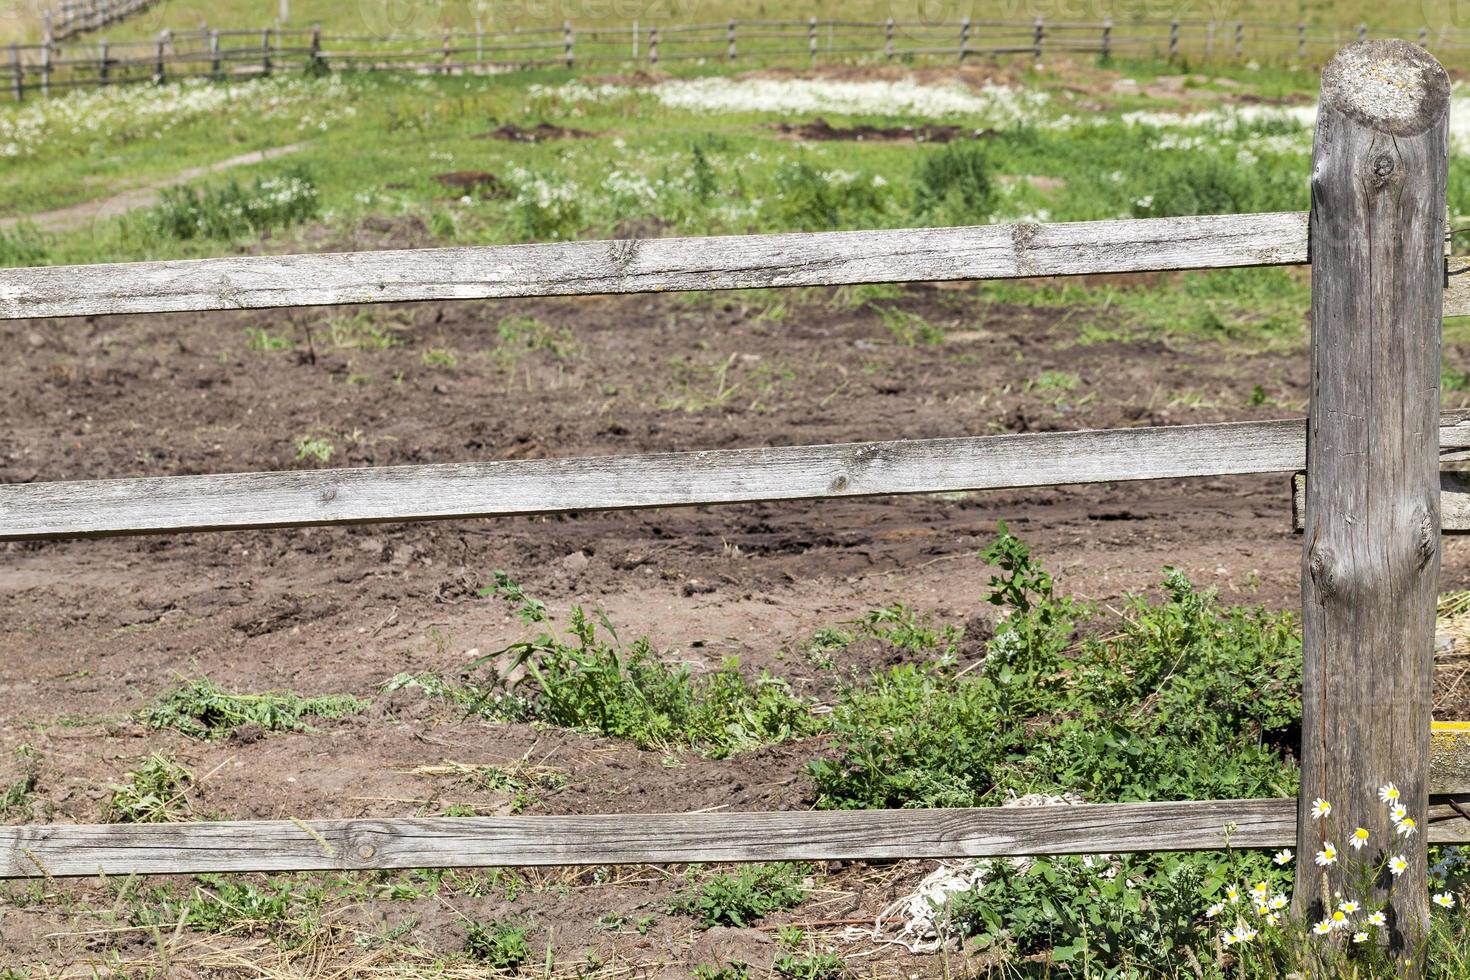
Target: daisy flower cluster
(1357,919)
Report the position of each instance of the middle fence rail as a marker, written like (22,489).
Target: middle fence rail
(1369,275)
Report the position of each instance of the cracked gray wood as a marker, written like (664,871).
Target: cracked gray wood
(654,265)
(460,490)
(1370,557)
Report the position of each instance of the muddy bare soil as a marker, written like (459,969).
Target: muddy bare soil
(92,630)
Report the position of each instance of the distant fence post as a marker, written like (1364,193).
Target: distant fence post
(1037,35)
(1362,32)
(314,56)
(730,38)
(566,41)
(1239,40)
(653,45)
(1173,38)
(158,56)
(1370,558)
(811,39)
(265,51)
(888,38)
(214,62)
(17,83)
(1107,38)
(964,39)
(46,65)
(1301,41)
(102,61)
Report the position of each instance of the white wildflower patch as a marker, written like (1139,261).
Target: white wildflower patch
(94,115)
(992,104)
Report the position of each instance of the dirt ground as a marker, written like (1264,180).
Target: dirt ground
(92,630)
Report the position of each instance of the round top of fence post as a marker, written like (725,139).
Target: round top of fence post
(1390,86)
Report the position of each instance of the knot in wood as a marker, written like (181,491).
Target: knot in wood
(1382,165)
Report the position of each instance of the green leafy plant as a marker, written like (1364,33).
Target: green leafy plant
(812,966)
(314,448)
(738,898)
(153,793)
(953,185)
(500,945)
(595,683)
(203,709)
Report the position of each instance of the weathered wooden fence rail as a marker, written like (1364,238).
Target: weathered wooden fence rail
(64,58)
(1375,239)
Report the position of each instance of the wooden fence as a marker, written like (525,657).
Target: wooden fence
(1375,239)
(62,60)
(70,18)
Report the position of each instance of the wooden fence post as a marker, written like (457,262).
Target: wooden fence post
(314,57)
(17,83)
(730,38)
(265,51)
(1173,38)
(214,61)
(811,40)
(653,45)
(888,38)
(102,61)
(158,57)
(1037,35)
(46,65)
(566,41)
(1301,41)
(964,39)
(1239,40)
(1370,558)
(1107,38)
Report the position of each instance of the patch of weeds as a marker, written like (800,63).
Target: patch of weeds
(528,333)
(203,709)
(823,644)
(1053,381)
(1119,914)
(910,329)
(282,907)
(1183,699)
(808,199)
(261,339)
(730,970)
(15,799)
(23,245)
(525,782)
(370,331)
(907,629)
(953,185)
(153,793)
(439,357)
(314,449)
(529,609)
(230,210)
(738,898)
(590,681)
(499,945)
(812,966)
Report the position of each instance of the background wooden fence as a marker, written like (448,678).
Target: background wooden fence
(1376,242)
(66,60)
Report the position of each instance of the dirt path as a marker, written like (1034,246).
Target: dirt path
(75,216)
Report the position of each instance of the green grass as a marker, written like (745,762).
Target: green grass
(203,709)
(742,897)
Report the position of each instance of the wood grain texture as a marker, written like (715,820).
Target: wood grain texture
(1370,560)
(70,850)
(1454,501)
(634,266)
(461,490)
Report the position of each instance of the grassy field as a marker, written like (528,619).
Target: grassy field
(397,16)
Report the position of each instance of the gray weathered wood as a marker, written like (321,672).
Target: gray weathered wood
(1454,501)
(1370,560)
(632,266)
(458,490)
(68,850)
